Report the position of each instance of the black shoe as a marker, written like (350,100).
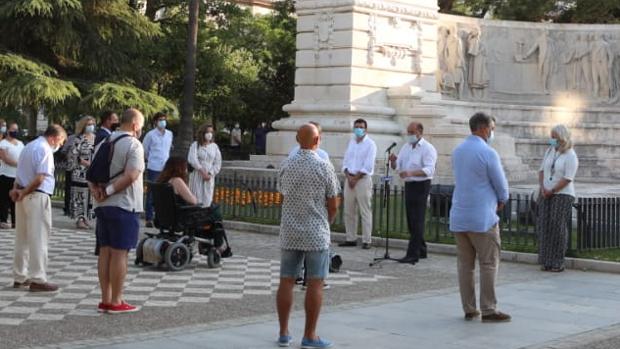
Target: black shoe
(423,255)
(347,243)
(409,260)
(365,246)
(149,224)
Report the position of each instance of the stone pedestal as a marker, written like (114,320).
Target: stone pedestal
(349,53)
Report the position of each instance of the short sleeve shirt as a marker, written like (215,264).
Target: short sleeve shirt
(128,154)
(306,182)
(37,158)
(556,166)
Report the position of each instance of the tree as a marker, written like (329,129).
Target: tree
(185,136)
(56,52)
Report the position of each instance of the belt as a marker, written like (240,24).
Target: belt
(37,190)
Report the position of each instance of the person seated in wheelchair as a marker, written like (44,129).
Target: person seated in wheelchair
(205,219)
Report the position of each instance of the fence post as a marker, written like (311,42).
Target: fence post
(234,196)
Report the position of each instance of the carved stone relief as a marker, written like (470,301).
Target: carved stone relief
(323,34)
(382,40)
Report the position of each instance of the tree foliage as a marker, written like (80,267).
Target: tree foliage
(561,11)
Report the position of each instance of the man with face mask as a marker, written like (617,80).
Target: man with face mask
(358,165)
(32,191)
(157,144)
(415,164)
(481,189)
(118,207)
(109,124)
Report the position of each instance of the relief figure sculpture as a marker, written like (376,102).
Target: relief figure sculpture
(579,58)
(451,62)
(602,61)
(545,48)
(477,74)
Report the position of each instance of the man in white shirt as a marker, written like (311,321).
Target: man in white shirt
(320,152)
(32,191)
(157,144)
(358,166)
(415,164)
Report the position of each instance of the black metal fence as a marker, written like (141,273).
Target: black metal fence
(254,197)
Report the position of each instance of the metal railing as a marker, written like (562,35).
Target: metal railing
(255,198)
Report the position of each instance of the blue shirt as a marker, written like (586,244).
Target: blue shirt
(320,152)
(36,158)
(480,186)
(157,148)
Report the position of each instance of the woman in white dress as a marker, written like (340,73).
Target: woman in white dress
(205,157)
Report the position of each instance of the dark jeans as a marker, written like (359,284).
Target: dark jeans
(416,194)
(6,204)
(68,183)
(152,177)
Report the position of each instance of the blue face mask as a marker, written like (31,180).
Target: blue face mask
(359,132)
(3,129)
(161,123)
(90,129)
(412,139)
(553,142)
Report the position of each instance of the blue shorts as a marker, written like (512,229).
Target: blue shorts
(317,263)
(117,228)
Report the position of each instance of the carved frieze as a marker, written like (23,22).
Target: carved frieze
(323,34)
(396,39)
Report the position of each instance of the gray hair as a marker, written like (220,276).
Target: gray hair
(563,137)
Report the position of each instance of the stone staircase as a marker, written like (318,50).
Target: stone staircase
(595,136)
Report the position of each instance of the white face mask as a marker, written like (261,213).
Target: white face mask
(412,139)
(491,137)
(208,136)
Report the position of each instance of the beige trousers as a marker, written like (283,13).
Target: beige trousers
(485,246)
(359,200)
(32,229)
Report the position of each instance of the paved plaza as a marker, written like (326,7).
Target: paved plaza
(387,306)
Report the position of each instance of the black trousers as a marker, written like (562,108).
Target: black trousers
(6,204)
(416,194)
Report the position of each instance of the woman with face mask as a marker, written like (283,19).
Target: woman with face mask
(205,157)
(557,194)
(10,148)
(79,157)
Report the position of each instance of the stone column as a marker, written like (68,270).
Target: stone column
(349,53)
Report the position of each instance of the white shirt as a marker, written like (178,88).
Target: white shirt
(157,148)
(555,166)
(36,158)
(360,157)
(422,157)
(320,152)
(13,151)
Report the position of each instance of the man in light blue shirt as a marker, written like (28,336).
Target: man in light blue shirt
(157,144)
(480,191)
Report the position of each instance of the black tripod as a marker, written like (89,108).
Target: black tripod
(385,208)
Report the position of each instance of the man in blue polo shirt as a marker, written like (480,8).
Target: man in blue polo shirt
(32,190)
(481,189)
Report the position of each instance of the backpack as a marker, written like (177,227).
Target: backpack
(99,170)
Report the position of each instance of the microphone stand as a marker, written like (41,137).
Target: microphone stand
(385,207)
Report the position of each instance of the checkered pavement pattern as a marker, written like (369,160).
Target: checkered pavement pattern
(73,267)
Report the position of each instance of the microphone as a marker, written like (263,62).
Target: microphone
(390,147)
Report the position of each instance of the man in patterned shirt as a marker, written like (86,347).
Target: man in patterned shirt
(310,190)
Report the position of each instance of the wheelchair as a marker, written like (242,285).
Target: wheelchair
(181,227)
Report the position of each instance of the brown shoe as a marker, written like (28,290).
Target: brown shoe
(46,287)
(497,317)
(21,284)
(472,315)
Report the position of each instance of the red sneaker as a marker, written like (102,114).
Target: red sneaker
(122,308)
(103,308)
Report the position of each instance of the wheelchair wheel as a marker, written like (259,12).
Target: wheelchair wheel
(177,256)
(213,258)
(139,252)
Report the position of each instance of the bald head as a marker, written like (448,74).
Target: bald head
(308,137)
(415,128)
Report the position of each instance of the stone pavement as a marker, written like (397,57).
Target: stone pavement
(386,306)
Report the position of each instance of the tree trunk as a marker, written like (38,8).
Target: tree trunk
(446,5)
(184,138)
(32,121)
